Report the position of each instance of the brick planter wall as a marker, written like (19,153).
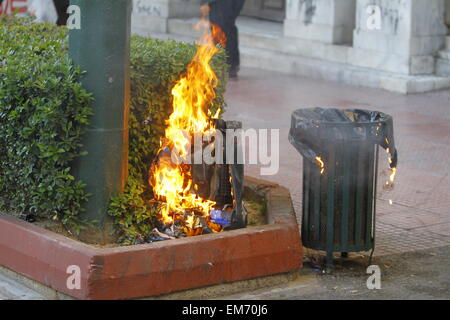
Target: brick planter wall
(157,268)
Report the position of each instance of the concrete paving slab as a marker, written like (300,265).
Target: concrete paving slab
(11,289)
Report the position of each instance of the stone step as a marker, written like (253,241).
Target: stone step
(326,70)
(342,73)
(444,55)
(183,27)
(443,67)
(269,36)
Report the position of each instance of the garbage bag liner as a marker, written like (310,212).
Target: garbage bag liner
(314,129)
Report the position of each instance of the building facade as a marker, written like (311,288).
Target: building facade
(398,45)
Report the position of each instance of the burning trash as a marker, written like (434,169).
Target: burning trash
(195,198)
(222,217)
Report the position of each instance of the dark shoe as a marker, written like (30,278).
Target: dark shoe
(233,73)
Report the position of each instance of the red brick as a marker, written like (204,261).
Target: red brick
(158,268)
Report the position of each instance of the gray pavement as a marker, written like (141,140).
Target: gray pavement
(413,234)
(419,217)
(422,274)
(11,289)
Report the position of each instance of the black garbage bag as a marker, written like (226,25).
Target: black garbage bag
(314,129)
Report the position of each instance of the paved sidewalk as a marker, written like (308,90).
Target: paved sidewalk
(419,217)
(11,289)
(415,275)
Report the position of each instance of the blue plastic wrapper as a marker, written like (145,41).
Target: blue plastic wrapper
(221,218)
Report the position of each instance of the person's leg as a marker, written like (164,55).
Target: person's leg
(217,11)
(237,6)
(61,8)
(221,15)
(233,51)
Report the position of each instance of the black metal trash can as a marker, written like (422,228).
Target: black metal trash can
(340,150)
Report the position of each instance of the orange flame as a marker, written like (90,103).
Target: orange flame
(321,164)
(192,95)
(390,184)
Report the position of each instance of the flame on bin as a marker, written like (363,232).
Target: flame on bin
(390,182)
(321,164)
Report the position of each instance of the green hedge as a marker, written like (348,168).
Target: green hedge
(44,112)
(156,65)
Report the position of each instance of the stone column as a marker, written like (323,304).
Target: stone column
(443,61)
(401,36)
(447,14)
(329,21)
(153,15)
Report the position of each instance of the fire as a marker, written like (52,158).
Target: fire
(192,95)
(390,184)
(392,176)
(321,164)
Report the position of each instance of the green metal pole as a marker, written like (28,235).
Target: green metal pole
(102,48)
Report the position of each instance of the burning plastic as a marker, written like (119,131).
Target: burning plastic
(187,192)
(222,217)
(218,188)
(172,182)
